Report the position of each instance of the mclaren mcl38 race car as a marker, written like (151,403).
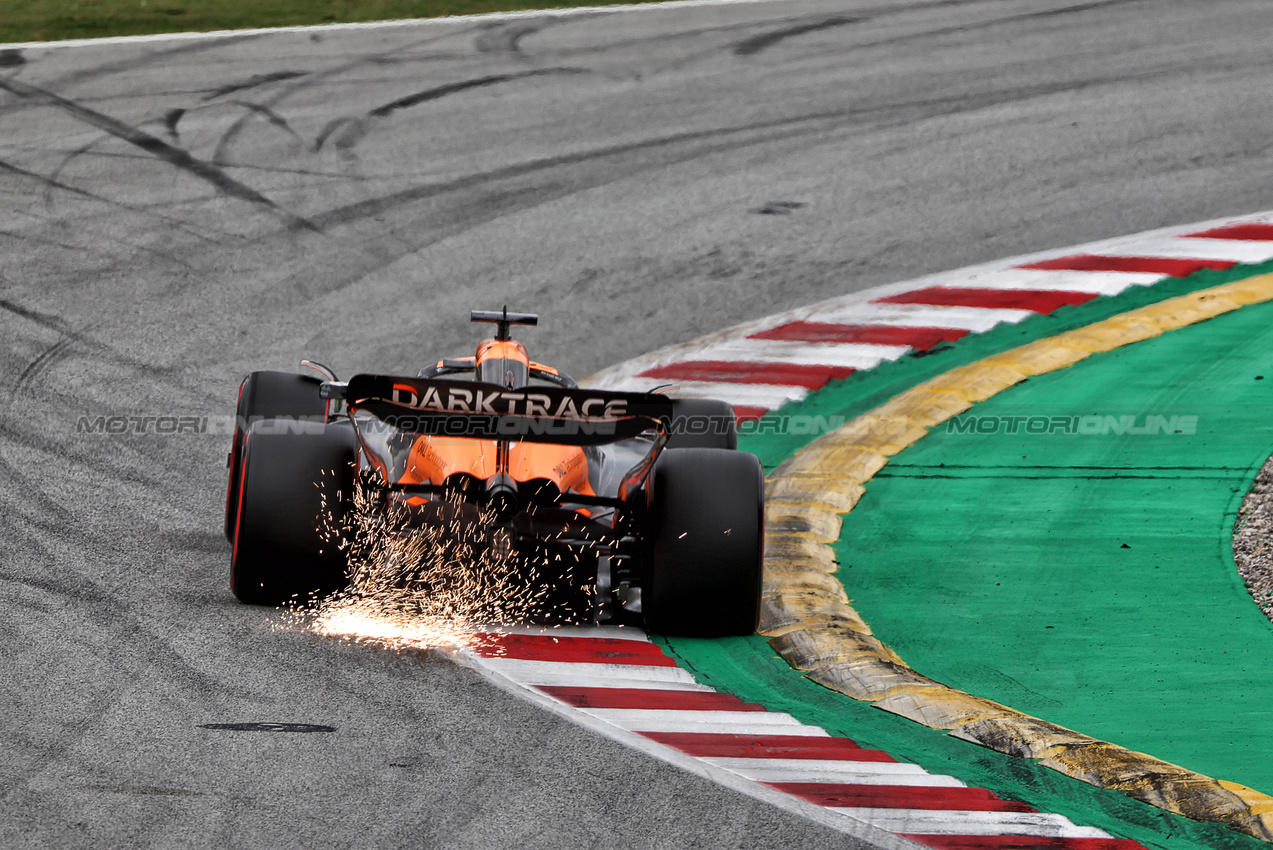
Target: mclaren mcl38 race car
(622,506)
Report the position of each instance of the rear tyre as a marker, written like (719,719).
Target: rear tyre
(267,395)
(295,490)
(703,423)
(706,521)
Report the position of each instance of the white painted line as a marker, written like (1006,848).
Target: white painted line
(566,673)
(1101,283)
(1236,250)
(854,355)
(972,319)
(946,822)
(828,770)
(373,25)
(730,722)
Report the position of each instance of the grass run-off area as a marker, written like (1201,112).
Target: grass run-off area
(53,20)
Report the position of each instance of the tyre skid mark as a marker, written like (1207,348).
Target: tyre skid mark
(993,23)
(96,72)
(155,146)
(317,78)
(759,43)
(725,139)
(53,183)
(254,81)
(349,131)
(50,355)
(505,37)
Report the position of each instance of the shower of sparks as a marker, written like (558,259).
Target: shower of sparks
(453,581)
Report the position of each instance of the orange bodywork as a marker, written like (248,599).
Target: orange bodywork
(510,348)
(433,459)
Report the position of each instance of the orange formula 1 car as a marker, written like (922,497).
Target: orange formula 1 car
(645,494)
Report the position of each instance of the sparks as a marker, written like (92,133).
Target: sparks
(439,585)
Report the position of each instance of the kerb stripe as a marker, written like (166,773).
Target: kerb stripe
(1022,842)
(648,698)
(810,377)
(1249,232)
(1170,266)
(1035,300)
(725,745)
(916,337)
(900,797)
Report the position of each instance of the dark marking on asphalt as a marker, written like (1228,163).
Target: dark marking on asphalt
(883,115)
(267,727)
(347,132)
(46,358)
(97,72)
(725,138)
(36,240)
(53,323)
(253,82)
(1081,7)
(452,88)
(777,208)
(70,335)
(171,117)
(48,181)
(176,157)
(997,22)
(344,133)
(51,183)
(436,93)
(315,78)
(269,115)
(256,109)
(504,38)
(11,58)
(757,43)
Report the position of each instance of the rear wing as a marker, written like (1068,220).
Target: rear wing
(448,408)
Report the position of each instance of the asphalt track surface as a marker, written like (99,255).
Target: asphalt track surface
(176,214)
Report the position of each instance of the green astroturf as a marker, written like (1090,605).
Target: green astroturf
(963,568)
(1088,578)
(48,20)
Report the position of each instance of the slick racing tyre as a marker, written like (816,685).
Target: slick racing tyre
(706,535)
(268,395)
(702,423)
(294,491)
